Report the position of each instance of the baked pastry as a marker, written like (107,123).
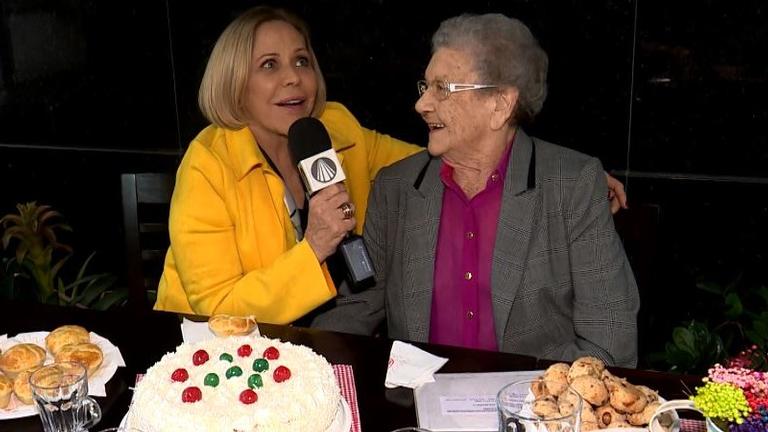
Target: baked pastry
(643,417)
(228,325)
(587,365)
(21,357)
(66,335)
(591,389)
(625,397)
(6,388)
(88,354)
(556,378)
(607,415)
(546,407)
(21,387)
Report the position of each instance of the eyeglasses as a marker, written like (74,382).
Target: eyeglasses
(444,88)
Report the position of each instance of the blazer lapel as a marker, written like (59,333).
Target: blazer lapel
(422,220)
(517,220)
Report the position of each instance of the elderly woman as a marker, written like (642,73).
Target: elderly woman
(494,239)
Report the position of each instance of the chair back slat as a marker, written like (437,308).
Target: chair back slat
(146,199)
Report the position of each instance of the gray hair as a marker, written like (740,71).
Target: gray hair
(504,53)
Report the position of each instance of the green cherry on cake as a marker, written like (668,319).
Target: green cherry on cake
(211,380)
(226,357)
(254,381)
(234,371)
(260,365)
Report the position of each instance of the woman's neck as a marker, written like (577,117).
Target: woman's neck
(472,168)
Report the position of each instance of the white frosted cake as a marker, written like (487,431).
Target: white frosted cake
(237,384)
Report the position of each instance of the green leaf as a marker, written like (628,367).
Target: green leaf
(83,267)
(110,299)
(710,287)
(684,340)
(734,306)
(99,284)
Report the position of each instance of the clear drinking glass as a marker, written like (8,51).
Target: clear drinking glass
(519,410)
(60,391)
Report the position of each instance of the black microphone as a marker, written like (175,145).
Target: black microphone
(311,151)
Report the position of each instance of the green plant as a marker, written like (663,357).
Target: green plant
(737,318)
(693,348)
(34,227)
(39,257)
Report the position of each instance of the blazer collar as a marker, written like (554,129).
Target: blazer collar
(247,154)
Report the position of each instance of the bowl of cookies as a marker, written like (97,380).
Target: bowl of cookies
(610,402)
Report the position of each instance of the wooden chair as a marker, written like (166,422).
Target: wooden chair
(146,201)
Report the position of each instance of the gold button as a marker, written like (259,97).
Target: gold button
(470,235)
(470,315)
(468,275)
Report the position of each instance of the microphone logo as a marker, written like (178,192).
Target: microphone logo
(323,169)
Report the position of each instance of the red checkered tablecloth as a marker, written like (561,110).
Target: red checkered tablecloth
(346,380)
(692,426)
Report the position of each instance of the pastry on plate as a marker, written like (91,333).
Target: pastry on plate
(21,357)
(228,325)
(66,335)
(88,354)
(21,387)
(6,388)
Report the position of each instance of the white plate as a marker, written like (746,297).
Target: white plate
(342,422)
(112,360)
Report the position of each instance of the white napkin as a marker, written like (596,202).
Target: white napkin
(410,366)
(193,331)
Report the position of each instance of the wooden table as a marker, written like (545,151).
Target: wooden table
(143,338)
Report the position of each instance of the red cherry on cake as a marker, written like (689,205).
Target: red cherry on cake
(248,396)
(244,350)
(191,395)
(199,357)
(271,353)
(281,374)
(180,375)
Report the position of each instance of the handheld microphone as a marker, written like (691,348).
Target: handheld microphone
(311,151)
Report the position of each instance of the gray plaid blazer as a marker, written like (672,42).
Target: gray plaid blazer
(561,283)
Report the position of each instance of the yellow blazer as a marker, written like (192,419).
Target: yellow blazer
(233,249)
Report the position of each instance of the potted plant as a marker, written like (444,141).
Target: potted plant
(38,258)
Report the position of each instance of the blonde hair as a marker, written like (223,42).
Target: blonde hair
(226,74)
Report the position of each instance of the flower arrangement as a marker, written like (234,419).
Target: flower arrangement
(735,398)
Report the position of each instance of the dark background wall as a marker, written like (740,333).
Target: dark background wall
(669,95)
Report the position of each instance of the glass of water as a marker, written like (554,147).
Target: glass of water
(60,392)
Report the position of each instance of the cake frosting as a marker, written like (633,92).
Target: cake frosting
(242,384)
